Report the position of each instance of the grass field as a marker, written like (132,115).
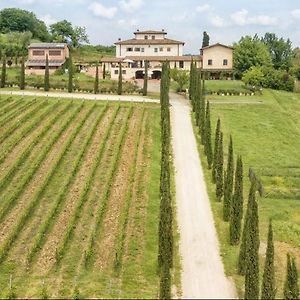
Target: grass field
(79,188)
(266,132)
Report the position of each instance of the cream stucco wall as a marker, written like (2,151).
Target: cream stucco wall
(141,36)
(217,54)
(149,50)
(64,54)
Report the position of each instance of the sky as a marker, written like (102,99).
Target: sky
(224,20)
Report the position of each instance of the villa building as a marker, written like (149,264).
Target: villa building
(37,52)
(217,61)
(151,46)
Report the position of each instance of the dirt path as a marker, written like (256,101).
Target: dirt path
(202,269)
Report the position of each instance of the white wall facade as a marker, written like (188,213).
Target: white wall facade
(149,50)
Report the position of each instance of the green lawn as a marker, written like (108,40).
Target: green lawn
(267,135)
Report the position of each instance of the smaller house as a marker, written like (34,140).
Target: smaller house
(37,52)
(217,60)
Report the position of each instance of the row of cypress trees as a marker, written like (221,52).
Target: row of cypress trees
(165,247)
(229,186)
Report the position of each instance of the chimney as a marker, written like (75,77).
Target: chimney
(119,39)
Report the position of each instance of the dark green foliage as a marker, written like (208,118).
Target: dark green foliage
(197,101)
(252,247)
(18,20)
(145,87)
(22,75)
(96,84)
(219,169)
(205,41)
(268,289)
(120,81)
(104,71)
(228,183)
(70,72)
(165,283)
(202,113)
(217,138)
(165,247)
(207,143)
(237,204)
(47,77)
(191,80)
(291,288)
(3,73)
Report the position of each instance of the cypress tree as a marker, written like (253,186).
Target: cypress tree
(243,247)
(219,170)
(252,248)
(96,84)
(46,78)
(268,289)
(191,80)
(208,147)
(197,101)
(145,87)
(70,72)
(22,74)
(3,73)
(104,71)
(205,41)
(237,204)
(291,288)
(228,183)
(165,283)
(120,83)
(217,138)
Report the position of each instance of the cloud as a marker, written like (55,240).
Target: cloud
(203,8)
(48,19)
(180,18)
(100,10)
(217,21)
(295,13)
(131,5)
(242,18)
(128,23)
(27,2)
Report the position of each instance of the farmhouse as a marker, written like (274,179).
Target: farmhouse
(37,52)
(151,46)
(217,61)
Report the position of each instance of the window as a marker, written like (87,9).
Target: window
(153,37)
(54,52)
(181,64)
(124,72)
(129,49)
(155,49)
(169,49)
(116,72)
(209,62)
(137,49)
(38,52)
(146,37)
(142,49)
(225,62)
(161,49)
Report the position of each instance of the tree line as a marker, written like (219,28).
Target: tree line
(229,191)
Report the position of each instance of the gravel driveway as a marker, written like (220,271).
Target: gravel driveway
(202,268)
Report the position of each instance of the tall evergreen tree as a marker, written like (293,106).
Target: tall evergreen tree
(191,80)
(197,101)
(22,74)
(219,170)
(291,287)
(47,76)
(205,41)
(217,138)
(104,71)
(202,114)
(70,72)
(120,81)
(268,290)
(3,73)
(208,146)
(243,247)
(96,83)
(165,283)
(145,87)
(228,183)
(237,204)
(252,248)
